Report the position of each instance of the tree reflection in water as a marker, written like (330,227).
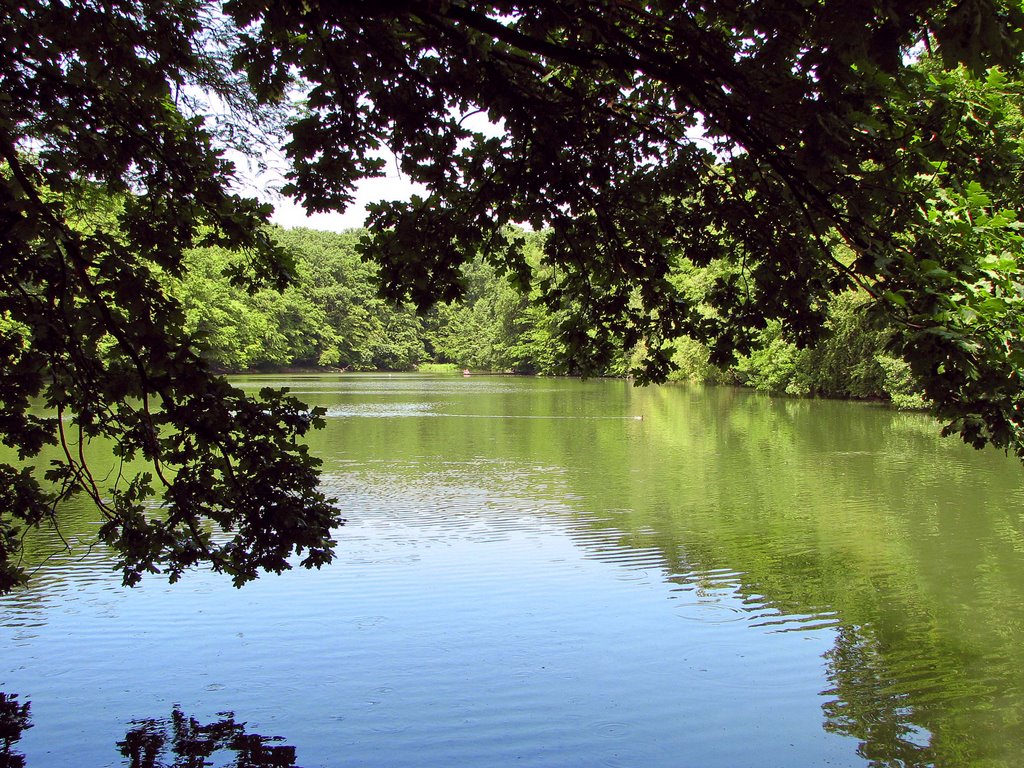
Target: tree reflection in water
(14,719)
(191,744)
(146,744)
(872,702)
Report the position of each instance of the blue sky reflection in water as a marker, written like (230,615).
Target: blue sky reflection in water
(533,575)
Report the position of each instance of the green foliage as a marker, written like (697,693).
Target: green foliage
(598,106)
(497,325)
(774,365)
(965,328)
(899,384)
(107,179)
(844,363)
(692,362)
(437,368)
(329,316)
(852,360)
(757,136)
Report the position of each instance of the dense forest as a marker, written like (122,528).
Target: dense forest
(524,319)
(332,317)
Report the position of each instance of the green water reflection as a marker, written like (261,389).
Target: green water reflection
(823,513)
(818,514)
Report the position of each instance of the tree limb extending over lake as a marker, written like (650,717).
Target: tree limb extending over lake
(817,146)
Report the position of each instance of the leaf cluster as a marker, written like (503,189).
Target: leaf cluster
(106,181)
(768,133)
(763,133)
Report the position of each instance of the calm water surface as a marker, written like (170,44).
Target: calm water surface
(559,573)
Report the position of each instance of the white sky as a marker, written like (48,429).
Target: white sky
(393,186)
(289,214)
(264,185)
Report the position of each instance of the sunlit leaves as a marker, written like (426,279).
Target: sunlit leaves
(760,133)
(107,181)
(765,133)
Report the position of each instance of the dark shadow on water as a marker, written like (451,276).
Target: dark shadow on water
(177,741)
(14,718)
(180,741)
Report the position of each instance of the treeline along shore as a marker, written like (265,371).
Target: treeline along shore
(331,318)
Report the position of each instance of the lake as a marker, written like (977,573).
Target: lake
(547,572)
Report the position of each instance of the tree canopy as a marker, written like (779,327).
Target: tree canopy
(819,146)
